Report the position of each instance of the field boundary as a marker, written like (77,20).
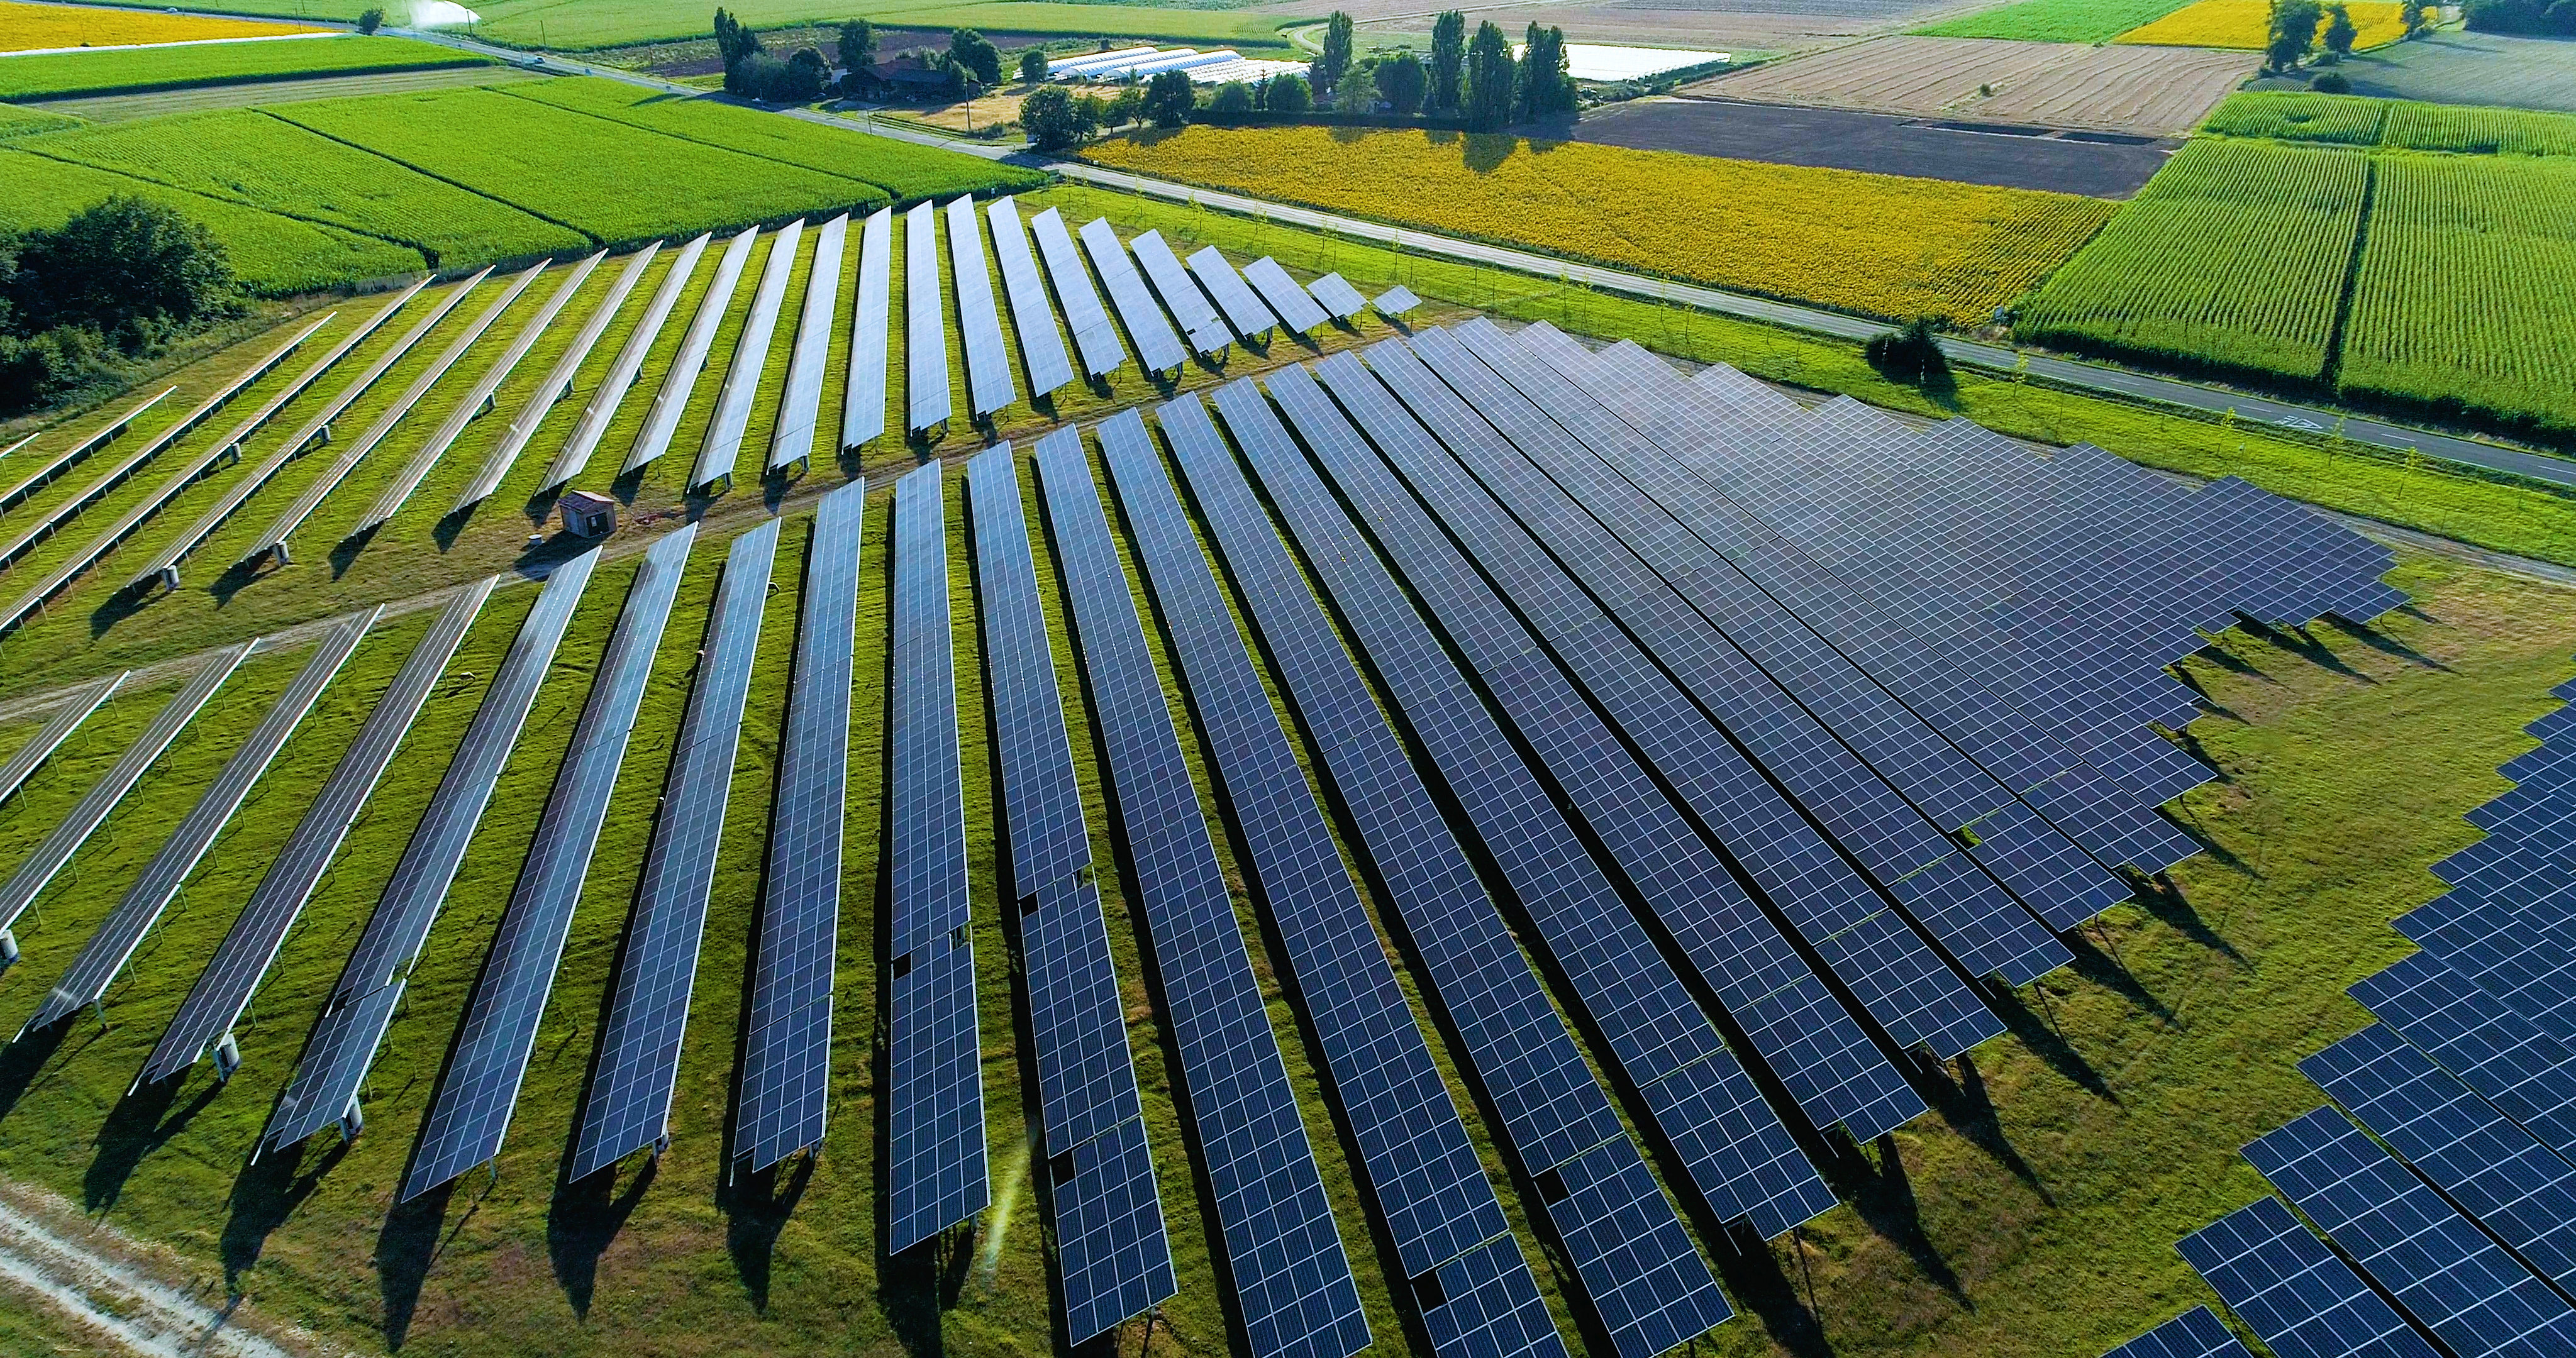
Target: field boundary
(218,82)
(390,159)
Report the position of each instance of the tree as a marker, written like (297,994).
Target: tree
(1357,92)
(1448,60)
(976,55)
(1127,107)
(1232,97)
(797,80)
(2294,33)
(130,268)
(1169,99)
(2339,33)
(371,19)
(2419,18)
(1328,68)
(1910,354)
(1544,86)
(1489,80)
(1054,121)
(1400,82)
(1291,94)
(1033,66)
(733,41)
(857,46)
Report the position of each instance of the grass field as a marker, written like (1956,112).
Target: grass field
(2353,120)
(2455,67)
(2246,25)
(126,108)
(2055,20)
(20,122)
(1811,234)
(621,23)
(906,171)
(28,28)
(249,157)
(56,75)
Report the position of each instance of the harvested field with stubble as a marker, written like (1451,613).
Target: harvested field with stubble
(2144,91)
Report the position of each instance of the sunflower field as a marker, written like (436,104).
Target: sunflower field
(1876,245)
(2247,25)
(36,28)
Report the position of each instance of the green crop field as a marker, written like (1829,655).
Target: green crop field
(60,74)
(2466,296)
(2353,120)
(612,182)
(2286,115)
(250,157)
(271,253)
(2092,21)
(22,122)
(2232,258)
(907,171)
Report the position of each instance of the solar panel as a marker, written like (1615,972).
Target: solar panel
(1396,301)
(1340,300)
(1156,346)
(1426,1184)
(863,401)
(70,457)
(2193,1334)
(720,452)
(2442,1269)
(1514,1043)
(925,336)
(629,1105)
(478,398)
(935,1169)
(1284,1263)
(1294,308)
(1041,347)
(39,869)
(557,383)
(224,989)
(163,569)
(625,369)
(680,381)
(471,1110)
(988,360)
(2292,1291)
(86,981)
(67,718)
(2528,1074)
(344,1040)
(1093,332)
(273,542)
(1243,310)
(2488,1167)
(1188,305)
(800,406)
(788,1053)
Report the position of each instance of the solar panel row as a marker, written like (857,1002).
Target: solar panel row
(671,399)
(2193,1334)
(239,964)
(1041,346)
(471,1111)
(935,1169)
(720,451)
(1188,305)
(86,981)
(478,399)
(1288,301)
(988,360)
(1156,346)
(787,1056)
(557,383)
(1645,1282)
(1113,1256)
(863,400)
(625,369)
(74,709)
(1243,310)
(1093,332)
(2525,1072)
(800,406)
(352,1025)
(629,1105)
(1430,1192)
(2293,1292)
(1340,299)
(925,336)
(79,452)
(1284,1262)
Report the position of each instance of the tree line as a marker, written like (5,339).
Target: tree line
(116,282)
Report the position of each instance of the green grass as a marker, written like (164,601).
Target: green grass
(249,157)
(2089,21)
(59,74)
(20,122)
(271,253)
(2340,119)
(904,170)
(2397,124)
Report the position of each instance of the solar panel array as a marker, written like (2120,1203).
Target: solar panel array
(1284,1264)
(1288,301)
(1340,299)
(935,1171)
(625,369)
(1032,318)
(1093,332)
(1188,305)
(2193,1334)
(2293,1292)
(863,400)
(1112,1254)
(925,336)
(662,419)
(1243,310)
(787,1055)
(233,974)
(988,359)
(1156,346)
(324,1089)
(471,1110)
(85,982)
(78,453)
(800,406)
(557,383)
(720,452)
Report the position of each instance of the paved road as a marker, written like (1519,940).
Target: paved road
(2097,377)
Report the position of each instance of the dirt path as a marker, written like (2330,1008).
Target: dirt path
(94,1276)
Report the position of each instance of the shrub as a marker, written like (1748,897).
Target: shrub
(371,20)
(1909,353)
(1033,66)
(2331,82)
(1232,97)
